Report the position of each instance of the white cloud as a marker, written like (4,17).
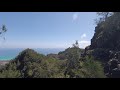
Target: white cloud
(83,36)
(75,16)
(84,43)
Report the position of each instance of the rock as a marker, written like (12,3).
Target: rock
(105,45)
(113,63)
(118,66)
(107,34)
(115,73)
(113,68)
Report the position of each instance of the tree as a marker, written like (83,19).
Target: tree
(92,68)
(3,31)
(73,62)
(103,16)
(76,44)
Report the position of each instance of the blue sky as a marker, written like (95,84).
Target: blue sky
(47,29)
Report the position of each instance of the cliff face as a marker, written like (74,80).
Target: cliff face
(107,34)
(106,40)
(105,45)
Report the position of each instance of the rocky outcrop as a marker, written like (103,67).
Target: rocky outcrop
(106,38)
(105,45)
(107,34)
(112,68)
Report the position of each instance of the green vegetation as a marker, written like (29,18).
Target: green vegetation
(3,30)
(105,44)
(30,64)
(99,60)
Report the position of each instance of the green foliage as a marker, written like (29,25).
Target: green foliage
(93,67)
(73,58)
(82,67)
(30,64)
(106,39)
(102,17)
(10,71)
(3,30)
(89,68)
(65,54)
(73,62)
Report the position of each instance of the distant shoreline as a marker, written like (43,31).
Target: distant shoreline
(7,54)
(4,60)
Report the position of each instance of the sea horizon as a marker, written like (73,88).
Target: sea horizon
(11,53)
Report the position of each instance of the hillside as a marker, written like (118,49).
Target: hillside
(101,59)
(30,64)
(107,34)
(105,44)
(64,54)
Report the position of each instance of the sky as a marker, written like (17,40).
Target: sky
(47,29)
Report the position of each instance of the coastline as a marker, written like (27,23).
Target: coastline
(3,58)
(3,62)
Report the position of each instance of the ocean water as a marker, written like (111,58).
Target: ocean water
(8,54)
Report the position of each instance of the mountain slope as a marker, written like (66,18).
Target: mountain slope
(107,34)
(105,45)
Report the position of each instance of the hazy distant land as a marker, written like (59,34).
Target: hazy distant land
(8,54)
(3,62)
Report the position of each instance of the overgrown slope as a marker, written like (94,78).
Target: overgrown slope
(105,45)
(30,64)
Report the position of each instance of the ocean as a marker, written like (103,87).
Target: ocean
(8,54)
